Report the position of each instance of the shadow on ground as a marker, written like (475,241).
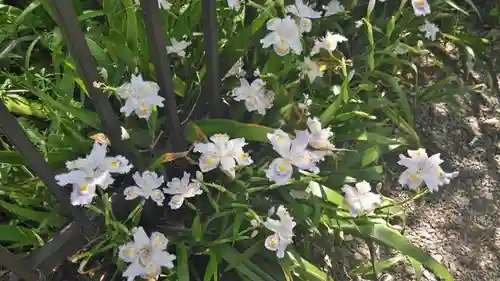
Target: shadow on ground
(460,224)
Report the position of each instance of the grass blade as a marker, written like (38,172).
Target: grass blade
(403,99)
(18,234)
(384,235)
(182,263)
(50,218)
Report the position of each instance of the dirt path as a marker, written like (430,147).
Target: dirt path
(460,225)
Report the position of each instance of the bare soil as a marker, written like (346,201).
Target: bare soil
(460,224)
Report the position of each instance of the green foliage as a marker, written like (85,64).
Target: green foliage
(366,96)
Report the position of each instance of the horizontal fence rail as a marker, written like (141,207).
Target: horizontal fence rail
(15,264)
(67,242)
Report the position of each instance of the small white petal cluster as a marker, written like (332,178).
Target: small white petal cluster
(430,30)
(146,185)
(333,8)
(360,198)
(146,255)
(162,4)
(140,97)
(178,47)
(125,135)
(256,72)
(182,189)
(400,50)
(285,36)
(283,232)
(236,70)
(255,224)
(255,95)
(85,174)
(329,42)
(223,152)
(305,13)
(103,72)
(293,152)
(234,4)
(421,7)
(336,89)
(319,138)
(311,69)
(422,169)
(304,106)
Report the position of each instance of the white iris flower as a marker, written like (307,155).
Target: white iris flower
(223,152)
(292,152)
(85,174)
(146,255)
(421,7)
(284,36)
(283,232)
(234,4)
(420,169)
(319,138)
(430,30)
(178,47)
(255,95)
(146,185)
(140,97)
(360,198)
(329,42)
(181,189)
(311,69)
(303,11)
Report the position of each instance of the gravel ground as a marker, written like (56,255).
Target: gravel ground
(460,224)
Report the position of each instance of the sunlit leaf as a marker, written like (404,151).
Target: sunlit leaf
(196,228)
(386,236)
(229,254)
(310,271)
(49,218)
(211,269)
(370,155)
(249,131)
(18,234)
(367,268)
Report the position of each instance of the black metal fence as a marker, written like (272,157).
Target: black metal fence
(82,229)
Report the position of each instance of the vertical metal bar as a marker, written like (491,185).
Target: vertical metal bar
(66,18)
(12,130)
(158,55)
(211,85)
(18,266)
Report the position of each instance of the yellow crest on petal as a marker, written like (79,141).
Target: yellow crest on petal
(84,187)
